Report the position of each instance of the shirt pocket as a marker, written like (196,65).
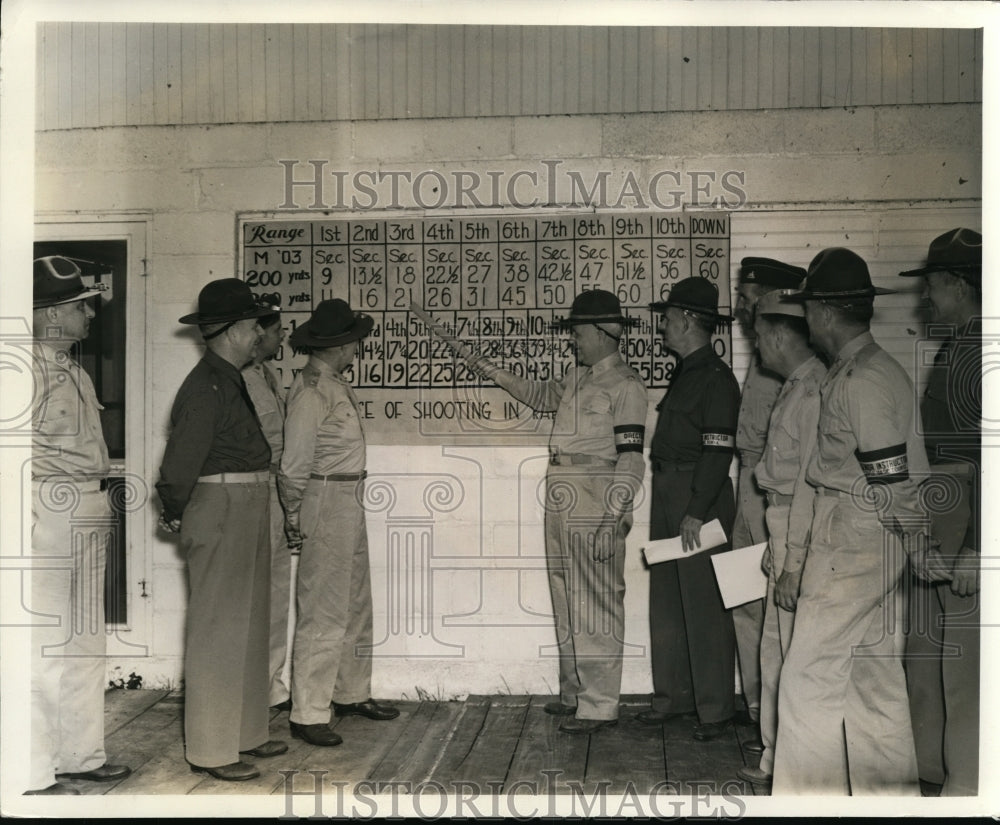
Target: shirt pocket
(596,415)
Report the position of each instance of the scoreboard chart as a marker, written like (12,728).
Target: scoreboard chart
(497,283)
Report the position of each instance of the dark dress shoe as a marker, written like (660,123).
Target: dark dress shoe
(320,735)
(273,748)
(57,789)
(575,725)
(286,705)
(234,772)
(755,776)
(658,717)
(711,730)
(754,746)
(369,708)
(105,773)
(559,709)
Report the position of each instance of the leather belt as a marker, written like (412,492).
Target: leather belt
(953,468)
(558,459)
(340,476)
(659,465)
(826,491)
(779,499)
(235,478)
(90,485)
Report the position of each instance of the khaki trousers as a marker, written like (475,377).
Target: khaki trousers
(942,664)
(224,535)
(748,619)
(776,636)
(843,717)
(69,537)
(281,587)
(332,653)
(588,597)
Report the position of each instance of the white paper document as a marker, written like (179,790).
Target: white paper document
(739,575)
(712,535)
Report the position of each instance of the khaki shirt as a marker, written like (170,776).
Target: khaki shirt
(268,398)
(600,412)
(868,434)
(323,433)
(760,390)
(791,438)
(67,439)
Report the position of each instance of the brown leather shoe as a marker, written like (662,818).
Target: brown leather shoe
(320,735)
(559,709)
(233,772)
(575,725)
(105,773)
(369,708)
(273,748)
(56,789)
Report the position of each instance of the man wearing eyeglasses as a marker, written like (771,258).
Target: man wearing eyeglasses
(69,463)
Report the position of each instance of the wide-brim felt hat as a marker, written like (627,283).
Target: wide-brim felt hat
(332,324)
(837,274)
(595,306)
(770,272)
(58,280)
(959,251)
(227,299)
(694,294)
(772,303)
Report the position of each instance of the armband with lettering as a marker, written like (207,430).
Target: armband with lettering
(718,440)
(885,466)
(629,438)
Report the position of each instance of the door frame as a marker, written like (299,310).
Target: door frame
(132,638)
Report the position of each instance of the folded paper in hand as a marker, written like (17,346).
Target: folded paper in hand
(712,535)
(740,576)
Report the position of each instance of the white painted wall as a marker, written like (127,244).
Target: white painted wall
(486,624)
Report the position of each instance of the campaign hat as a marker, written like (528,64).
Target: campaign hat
(225,300)
(594,306)
(959,251)
(694,294)
(332,324)
(837,274)
(58,280)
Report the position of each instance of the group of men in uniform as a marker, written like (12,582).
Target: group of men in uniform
(832,459)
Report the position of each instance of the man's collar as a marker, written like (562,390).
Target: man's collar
(607,363)
(854,345)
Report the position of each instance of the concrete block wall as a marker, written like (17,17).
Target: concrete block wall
(470,616)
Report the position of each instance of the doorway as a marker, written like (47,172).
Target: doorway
(114,357)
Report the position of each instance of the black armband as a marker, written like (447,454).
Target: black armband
(629,438)
(885,466)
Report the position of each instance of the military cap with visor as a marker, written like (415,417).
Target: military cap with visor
(770,272)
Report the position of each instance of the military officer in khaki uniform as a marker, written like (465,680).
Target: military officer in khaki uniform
(69,463)
(942,665)
(692,641)
(843,718)
(758,277)
(596,462)
(268,397)
(783,343)
(321,483)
